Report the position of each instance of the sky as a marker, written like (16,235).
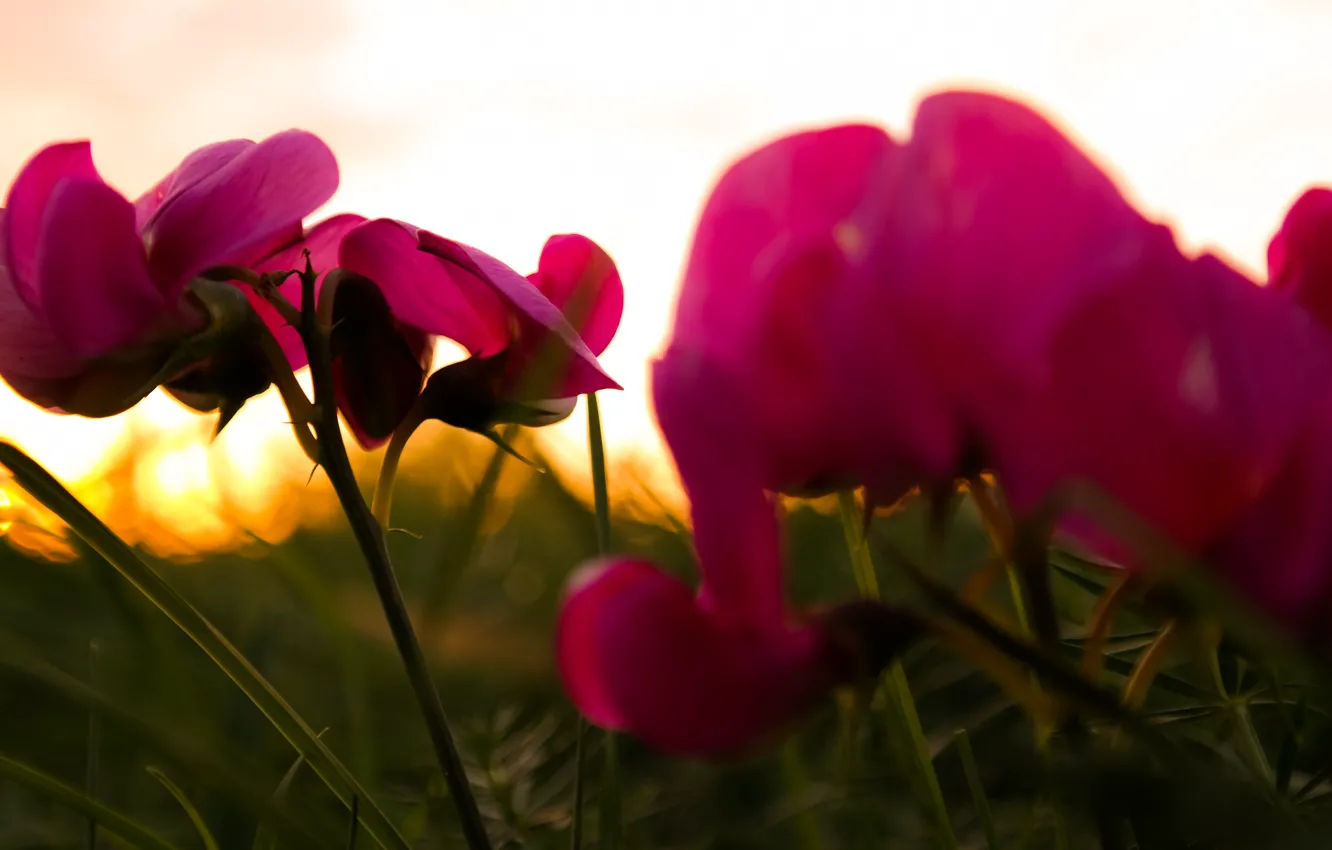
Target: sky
(501,122)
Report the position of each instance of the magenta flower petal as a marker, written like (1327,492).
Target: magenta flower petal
(1277,552)
(1185,420)
(32,360)
(1299,258)
(195,167)
(581,279)
(26,210)
(980,237)
(424,292)
(95,290)
(637,654)
(583,373)
(233,214)
(735,525)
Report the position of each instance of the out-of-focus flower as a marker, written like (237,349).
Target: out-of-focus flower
(751,344)
(1299,257)
(1179,391)
(411,286)
(721,671)
(98,296)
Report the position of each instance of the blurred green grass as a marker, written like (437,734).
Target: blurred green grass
(483,575)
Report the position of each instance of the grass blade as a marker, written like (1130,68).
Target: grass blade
(107,818)
(611,809)
(895,682)
(200,825)
(979,800)
(43,487)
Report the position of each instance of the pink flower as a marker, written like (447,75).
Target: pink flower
(418,286)
(706,674)
(93,291)
(1179,391)
(1299,258)
(753,335)
(1278,553)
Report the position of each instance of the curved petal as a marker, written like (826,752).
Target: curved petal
(989,227)
(1299,258)
(722,469)
(95,290)
(379,365)
(420,289)
(581,279)
(637,654)
(32,361)
(26,210)
(797,189)
(233,214)
(195,167)
(1186,419)
(1276,554)
(323,241)
(583,374)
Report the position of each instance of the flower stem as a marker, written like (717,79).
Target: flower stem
(381,503)
(895,683)
(370,537)
(611,816)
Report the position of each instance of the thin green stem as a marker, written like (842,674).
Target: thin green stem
(381,503)
(600,493)
(978,797)
(369,536)
(895,682)
(611,814)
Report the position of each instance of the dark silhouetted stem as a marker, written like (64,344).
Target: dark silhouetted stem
(370,537)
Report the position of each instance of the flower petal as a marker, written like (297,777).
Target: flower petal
(32,360)
(424,292)
(581,279)
(379,365)
(195,167)
(95,290)
(637,654)
(583,374)
(233,214)
(735,524)
(26,210)
(1299,258)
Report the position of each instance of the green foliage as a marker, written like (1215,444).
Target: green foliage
(490,577)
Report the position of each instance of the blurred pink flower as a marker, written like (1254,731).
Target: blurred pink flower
(753,334)
(1299,257)
(1179,391)
(426,286)
(93,291)
(707,674)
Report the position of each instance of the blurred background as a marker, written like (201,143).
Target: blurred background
(498,123)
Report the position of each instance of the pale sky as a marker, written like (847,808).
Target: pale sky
(500,122)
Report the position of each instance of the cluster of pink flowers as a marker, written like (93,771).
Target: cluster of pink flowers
(856,311)
(863,311)
(102,299)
